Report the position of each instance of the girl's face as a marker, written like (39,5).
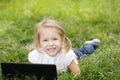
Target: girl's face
(50,41)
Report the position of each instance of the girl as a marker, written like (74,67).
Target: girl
(52,46)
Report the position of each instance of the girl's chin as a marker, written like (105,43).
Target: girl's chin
(52,54)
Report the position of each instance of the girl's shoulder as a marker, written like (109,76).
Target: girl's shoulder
(35,52)
(34,56)
(70,55)
(70,52)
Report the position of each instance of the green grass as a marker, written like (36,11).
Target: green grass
(82,19)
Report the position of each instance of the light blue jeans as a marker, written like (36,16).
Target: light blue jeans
(85,50)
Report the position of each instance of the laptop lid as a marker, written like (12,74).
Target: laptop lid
(28,70)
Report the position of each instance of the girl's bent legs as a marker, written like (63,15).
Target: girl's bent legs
(85,50)
(89,48)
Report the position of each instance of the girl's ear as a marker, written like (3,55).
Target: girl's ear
(63,40)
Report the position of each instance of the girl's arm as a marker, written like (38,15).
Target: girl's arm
(73,67)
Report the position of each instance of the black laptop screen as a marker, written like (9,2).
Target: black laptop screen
(28,70)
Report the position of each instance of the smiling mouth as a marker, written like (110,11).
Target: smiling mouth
(51,49)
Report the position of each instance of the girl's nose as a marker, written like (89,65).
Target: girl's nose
(51,42)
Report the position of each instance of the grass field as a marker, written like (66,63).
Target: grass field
(82,20)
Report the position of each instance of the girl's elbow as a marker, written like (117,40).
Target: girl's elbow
(77,71)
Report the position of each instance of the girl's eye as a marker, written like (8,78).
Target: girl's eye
(45,40)
(55,39)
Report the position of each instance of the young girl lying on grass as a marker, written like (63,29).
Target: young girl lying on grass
(52,46)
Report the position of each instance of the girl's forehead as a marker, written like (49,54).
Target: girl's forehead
(48,29)
(49,33)
(54,30)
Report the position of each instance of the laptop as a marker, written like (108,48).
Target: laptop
(28,71)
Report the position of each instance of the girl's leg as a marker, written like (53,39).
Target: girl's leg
(89,48)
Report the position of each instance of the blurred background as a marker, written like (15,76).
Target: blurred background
(82,20)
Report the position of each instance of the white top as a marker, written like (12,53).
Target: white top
(61,60)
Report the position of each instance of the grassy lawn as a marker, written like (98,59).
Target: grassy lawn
(82,20)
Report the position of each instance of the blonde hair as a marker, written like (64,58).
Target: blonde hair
(49,23)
